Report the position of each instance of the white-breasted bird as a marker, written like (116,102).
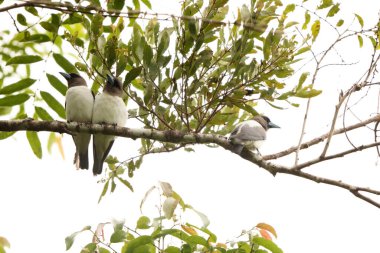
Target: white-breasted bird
(109,108)
(79,104)
(250,133)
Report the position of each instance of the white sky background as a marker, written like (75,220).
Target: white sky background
(43,201)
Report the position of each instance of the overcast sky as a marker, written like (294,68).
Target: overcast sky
(43,201)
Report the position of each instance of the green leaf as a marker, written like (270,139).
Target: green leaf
(360,39)
(333,10)
(104,191)
(307,92)
(118,236)
(69,240)
(147,3)
(302,80)
(139,241)
(24,59)
(325,4)
(303,50)
(143,222)
(131,75)
(4,110)
(172,249)
(4,135)
(268,45)
(315,28)
(57,84)
(340,23)
(164,43)
(307,20)
(268,244)
(49,26)
(38,38)
(289,8)
(148,54)
(360,20)
(97,25)
(53,104)
(89,248)
(64,64)
(17,86)
(34,143)
(42,113)
(14,99)
(196,239)
(32,10)
(126,183)
(21,19)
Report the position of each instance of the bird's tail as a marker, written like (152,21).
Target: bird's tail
(237,148)
(83,160)
(98,166)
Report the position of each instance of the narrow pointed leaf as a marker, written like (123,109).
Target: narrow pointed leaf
(34,143)
(21,19)
(360,20)
(24,59)
(17,86)
(64,64)
(53,104)
(43,114)
(315,28)
(132,75)
(14,100)
(360,39)
(57,84)
(147,3)
(4,135)
(267,227)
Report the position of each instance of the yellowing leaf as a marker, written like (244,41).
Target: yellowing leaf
(360,39)
(267,227)
(189,230)
(315,28)
(58,141)
(264,233)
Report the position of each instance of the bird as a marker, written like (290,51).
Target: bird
(250,133)
(79,104)
(109,108)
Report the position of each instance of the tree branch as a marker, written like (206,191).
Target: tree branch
(321,138)
(174,136)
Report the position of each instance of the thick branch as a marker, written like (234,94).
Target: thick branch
(183,138)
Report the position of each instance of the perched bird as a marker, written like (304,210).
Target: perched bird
(79,104)
(250,133)
(109,108)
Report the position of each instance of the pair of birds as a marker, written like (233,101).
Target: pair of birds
(108,107)
(82,106)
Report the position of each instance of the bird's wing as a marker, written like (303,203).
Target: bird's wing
(107,151)
(247,132)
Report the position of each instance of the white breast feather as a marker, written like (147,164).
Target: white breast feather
(79,104)
(109,109)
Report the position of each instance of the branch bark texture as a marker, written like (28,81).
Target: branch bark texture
(173,136)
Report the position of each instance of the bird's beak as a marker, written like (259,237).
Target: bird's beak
(272,125)
(110,80)
(65,75)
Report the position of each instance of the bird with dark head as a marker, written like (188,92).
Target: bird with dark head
(79,104)
(109,108)
(250,133)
